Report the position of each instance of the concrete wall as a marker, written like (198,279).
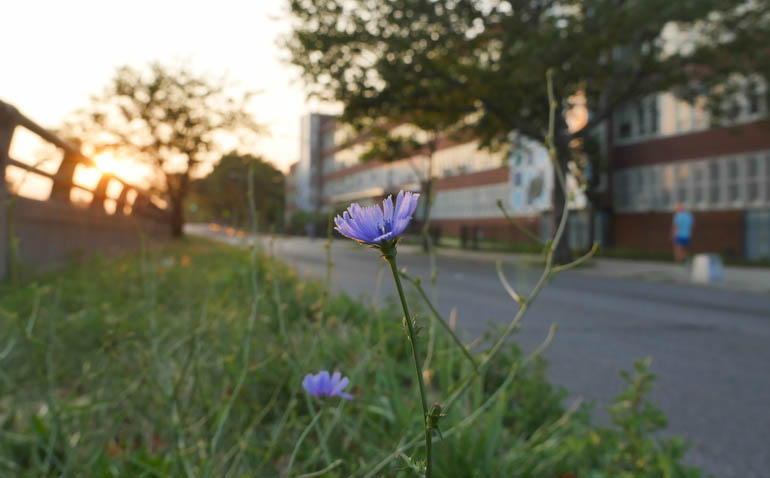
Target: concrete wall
(41,234)
(50,233)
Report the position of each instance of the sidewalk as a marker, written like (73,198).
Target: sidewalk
(746,279)
(743,279)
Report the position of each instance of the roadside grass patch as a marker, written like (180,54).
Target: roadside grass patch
(173,363)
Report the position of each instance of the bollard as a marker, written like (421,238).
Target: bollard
(707,268)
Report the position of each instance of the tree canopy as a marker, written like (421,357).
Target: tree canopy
(171,118)
(484,62)
(223,194)
(481,64)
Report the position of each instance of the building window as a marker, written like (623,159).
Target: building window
(732,110)
(621,190)
(682,181)
(698,177)
(752,179)
(714,179)
(625,130)
(753,103)
(698,114)
(638,189)
(754,98)
(767,179)
(654,115)
(715,183)
(683,116)
(653,187)
(733,181)
(668,185)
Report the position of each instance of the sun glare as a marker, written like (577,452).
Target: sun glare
(106,162)
(124,169)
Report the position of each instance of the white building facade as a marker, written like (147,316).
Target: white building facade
(468,182)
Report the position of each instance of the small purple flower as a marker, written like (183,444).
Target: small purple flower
(321,385)
(377,225)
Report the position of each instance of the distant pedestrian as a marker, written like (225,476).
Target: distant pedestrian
(681,232)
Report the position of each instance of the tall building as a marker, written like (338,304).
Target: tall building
(316,136)
(290,204)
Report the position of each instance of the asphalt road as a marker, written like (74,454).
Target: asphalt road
(710,349)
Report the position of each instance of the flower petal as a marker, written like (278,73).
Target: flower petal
(345,226)
(340,386)
(309,384)
(324,382)
(387,209)
(406,203)
(365,222)
(377,223)
(374,222)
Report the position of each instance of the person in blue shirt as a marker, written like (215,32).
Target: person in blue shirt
(681,232)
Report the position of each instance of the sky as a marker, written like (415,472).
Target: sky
(55,54)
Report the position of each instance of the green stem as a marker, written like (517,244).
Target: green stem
(391,258)
(417,285)
(515,223)
(548,272)
(301,438)
(321,438)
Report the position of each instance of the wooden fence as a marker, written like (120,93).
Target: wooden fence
(35,233)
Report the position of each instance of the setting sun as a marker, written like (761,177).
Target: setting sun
(106,162)
(124,169)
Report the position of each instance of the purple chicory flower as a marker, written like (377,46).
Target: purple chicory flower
(322,385)
(377,225)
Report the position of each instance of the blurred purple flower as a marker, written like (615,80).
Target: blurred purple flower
(322,385)
(377,225)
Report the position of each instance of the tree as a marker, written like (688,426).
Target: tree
(224,193)
(482,64)
(171,118)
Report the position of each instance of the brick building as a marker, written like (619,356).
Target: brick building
(662,152)
(665,152)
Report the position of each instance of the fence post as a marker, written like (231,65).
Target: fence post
(100,193)
(120,203)
(62,184)
(8,117)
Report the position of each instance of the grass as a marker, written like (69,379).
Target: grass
(188,360)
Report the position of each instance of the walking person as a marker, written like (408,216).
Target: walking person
(681,232)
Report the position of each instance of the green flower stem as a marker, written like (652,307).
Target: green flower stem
(390,256)
(524,305)
(321,438)
(302,437)
(417,285)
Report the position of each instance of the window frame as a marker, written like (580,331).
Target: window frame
(717,183)
(755,180)
(739,181)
